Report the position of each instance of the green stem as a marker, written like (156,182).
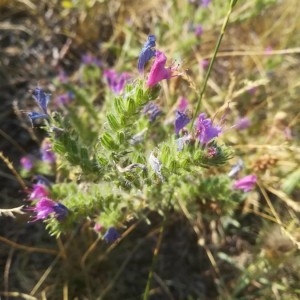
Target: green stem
(232,4)
(154,260)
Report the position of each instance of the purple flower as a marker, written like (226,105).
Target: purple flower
(152,110)
(116,81)
(242,123)
(205,130)
(47,155)
(39,191)
(89,59)
(147,52)
(111,235)
(62,76)
(41,98)
(205,3)
(246,183)
(181,120)
(158,70)
(198,30)
(64,99)
(26,163)
(46,207)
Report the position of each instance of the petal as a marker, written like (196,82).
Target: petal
(41,98)
(147,52)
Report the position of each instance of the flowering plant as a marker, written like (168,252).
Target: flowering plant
(126,159)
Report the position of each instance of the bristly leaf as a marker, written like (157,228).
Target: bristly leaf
(113,122)
(108,142)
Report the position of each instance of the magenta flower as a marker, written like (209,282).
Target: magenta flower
(26,163)
(183,104)
(47,155)
(46,207)
(246,183)
(39,191)
(204,63)
(158,70)
(205,130)
(97,227)
(198,30)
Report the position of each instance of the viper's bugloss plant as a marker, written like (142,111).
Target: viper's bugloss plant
(117,159)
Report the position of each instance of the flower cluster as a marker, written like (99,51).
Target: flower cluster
(46,208)
(42,206)
(196,143)
(158,71)
(205,131)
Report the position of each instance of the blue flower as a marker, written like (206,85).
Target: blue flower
(111,235)
(35,116)
(181,121)
(41,98)
(147,52)
(60,211)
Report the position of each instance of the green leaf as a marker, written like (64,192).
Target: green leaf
(130,106)
(113,122)
(119,106)
(291,181)
(108,142)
